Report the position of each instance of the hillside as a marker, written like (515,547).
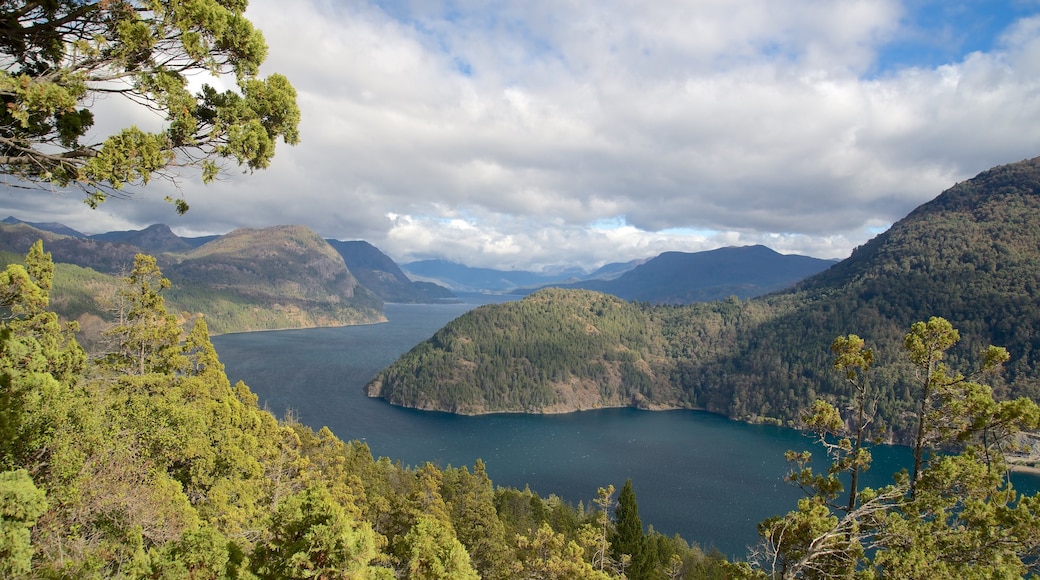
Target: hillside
(972,256)
(282,277)
(287,271)
(53,227)
(553,351)
(377,272)
(686,277)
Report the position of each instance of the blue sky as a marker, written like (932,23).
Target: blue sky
(533,133)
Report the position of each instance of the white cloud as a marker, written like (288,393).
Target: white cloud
(749,121)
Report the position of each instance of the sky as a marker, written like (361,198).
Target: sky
(530,134)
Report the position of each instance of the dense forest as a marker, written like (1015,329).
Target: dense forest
(145,462)
(554,350)
(972,256)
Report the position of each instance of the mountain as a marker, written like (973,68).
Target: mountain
(105,257)
(554,351)
(155,239)
(380,274)
(280,277)
(53,227)
(682,278)
(462,278)
(289,271)
(613,270)
(972,256)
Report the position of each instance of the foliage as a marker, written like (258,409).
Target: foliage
(21,503)
(60,57)
(169,471)
(955,516)
(970,256)
(555,349)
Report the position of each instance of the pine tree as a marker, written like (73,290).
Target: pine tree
(629,539)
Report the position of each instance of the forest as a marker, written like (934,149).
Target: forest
(145,462)
(971,256)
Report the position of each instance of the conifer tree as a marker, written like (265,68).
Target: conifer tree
(629,539)
(147,337)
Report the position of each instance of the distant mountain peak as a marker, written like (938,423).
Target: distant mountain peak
(53,227)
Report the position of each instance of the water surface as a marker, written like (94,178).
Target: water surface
(700,475)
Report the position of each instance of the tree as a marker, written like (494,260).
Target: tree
(432,552)
(628,538)
(601,548)
(926,345)
(548,555)
(63,56)
(21,503)
(147,336)
(312,536)
(956,515)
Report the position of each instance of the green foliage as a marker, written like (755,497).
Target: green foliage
(60,56)
(554,350)
(629,539)
(21,503)
(175,473)
(312,536)
(955,516)
(146,336)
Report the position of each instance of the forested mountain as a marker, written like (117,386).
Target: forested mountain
(554,351)
(972,256)
(685,277)
(377,272)
(147,462)
(281,277)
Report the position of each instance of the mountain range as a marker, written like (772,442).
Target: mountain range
(288,277)
(972,256)
(684,277)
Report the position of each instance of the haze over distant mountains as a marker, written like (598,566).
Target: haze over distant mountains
(288,277)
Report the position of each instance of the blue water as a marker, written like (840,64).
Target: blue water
(699,475)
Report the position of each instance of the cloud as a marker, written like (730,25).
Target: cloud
(507,134)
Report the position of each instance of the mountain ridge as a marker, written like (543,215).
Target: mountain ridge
(685,277)
(971,255)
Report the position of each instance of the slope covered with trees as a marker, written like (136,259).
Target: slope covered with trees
(971,256)
(280,277)
(147,463)
(554,351)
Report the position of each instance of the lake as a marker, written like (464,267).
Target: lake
(696,474)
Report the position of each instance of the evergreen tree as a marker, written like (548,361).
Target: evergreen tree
(21,503)
(147,337)
(311,536)
(955,516)
(629,539)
